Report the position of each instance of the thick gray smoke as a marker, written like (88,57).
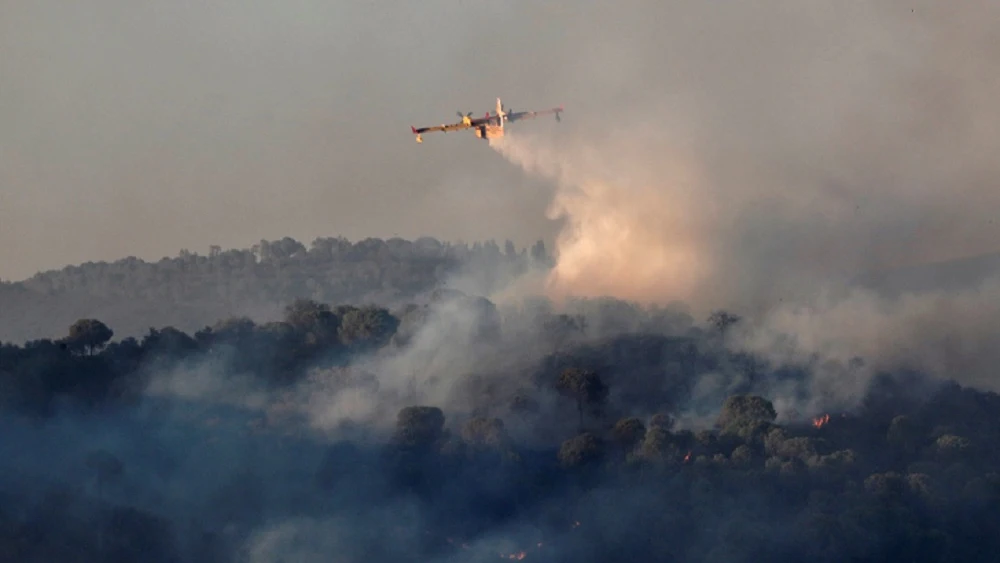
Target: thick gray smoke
(741,156)
(790,150)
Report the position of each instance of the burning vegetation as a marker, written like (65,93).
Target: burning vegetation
(821,421)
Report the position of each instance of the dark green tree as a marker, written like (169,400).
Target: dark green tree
(747,417)
(367,327)
(420,427)
(628,433)
(739,409)
(580,450)
(315,321)
(485,432)
(88,335)
(585,387)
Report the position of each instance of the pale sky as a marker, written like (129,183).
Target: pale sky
(140,128)
(146,127)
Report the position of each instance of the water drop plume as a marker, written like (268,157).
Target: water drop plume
(623,234)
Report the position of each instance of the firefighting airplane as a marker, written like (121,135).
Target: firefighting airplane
(489,127)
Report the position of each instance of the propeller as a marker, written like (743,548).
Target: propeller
(460,114)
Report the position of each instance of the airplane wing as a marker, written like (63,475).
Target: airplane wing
(519,115)
(444,127)
(464,124)
(467,122)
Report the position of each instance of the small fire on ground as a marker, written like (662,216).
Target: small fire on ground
(515,556)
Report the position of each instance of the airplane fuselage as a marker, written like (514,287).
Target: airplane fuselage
(489,131)
(493,128)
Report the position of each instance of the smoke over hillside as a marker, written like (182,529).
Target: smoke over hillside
(746,159)
(461,430)
(812,145)
(621,237)
(768,175)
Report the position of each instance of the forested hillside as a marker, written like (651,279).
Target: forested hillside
(192,290)
(456,430)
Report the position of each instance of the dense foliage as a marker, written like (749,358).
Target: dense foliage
(191,290)
(607,432)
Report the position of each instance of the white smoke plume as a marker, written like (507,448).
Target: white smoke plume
(863,148)
(623,236)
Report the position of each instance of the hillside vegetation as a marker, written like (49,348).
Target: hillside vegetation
(191,290)
(457,430)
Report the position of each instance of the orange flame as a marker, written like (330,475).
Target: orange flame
(819,422)
(519,555)
(687,457)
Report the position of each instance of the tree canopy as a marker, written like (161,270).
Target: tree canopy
(454,428)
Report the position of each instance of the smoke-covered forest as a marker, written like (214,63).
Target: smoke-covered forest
(448,427)
(762,326)
(192,290)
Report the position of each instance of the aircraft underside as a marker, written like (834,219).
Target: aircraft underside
(489,132)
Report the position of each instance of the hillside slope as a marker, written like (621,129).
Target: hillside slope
(190,291)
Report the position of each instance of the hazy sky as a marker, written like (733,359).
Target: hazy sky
(817,135)
(144,127)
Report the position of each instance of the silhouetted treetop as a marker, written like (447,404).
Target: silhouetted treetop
(745,408)
(88,335)
(419,425)
(585,387)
